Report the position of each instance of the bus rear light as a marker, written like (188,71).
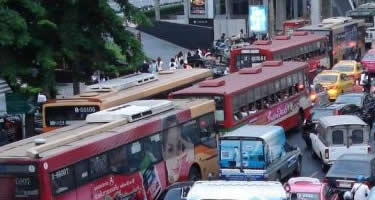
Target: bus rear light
(326,153)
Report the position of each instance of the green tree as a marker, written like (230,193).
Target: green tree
(24,46)
(36,36)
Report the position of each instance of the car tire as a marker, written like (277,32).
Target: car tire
(313,155)
(278,177)
(195,174)
(298,170)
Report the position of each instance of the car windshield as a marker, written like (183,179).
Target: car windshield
(369,57)
(350,168)
(247,154)
(305,196)
(356,100)
(325,78)
(343,68)
(318,113)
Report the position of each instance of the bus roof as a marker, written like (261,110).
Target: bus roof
(238,81)
(277,44)
(331,26)
(258,131)
(165,83)
(236,190)
(71,139)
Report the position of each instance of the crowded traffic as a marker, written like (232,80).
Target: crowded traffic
(250,129)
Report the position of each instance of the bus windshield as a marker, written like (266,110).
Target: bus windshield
(71,114)
(18,181)
(248,154)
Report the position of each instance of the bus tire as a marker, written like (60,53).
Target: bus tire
(195,173)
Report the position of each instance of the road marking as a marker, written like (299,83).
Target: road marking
(314,174)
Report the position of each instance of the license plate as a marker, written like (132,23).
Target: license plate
(345,185)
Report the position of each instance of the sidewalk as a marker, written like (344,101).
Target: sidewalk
(155,47)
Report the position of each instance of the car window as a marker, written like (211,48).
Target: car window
(357,136)
(173,194)
(338,137)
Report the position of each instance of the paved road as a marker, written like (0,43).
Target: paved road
(310,167)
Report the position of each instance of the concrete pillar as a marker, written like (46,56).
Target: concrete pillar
(304,8)
(295,9)
(280,13)
(186,11)
(315,12)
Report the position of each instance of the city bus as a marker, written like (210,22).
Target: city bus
(346,37)
(132,151)
(66,111)
(274,94)
(366,12)
(290,25)
(299,46)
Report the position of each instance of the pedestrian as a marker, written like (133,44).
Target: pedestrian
(242,35)
(222,38)
(153,67)
(145,67)
(172,64)
(181,64)
(360,190)
(159,64)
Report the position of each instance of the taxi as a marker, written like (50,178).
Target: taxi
(334,82)
(351,68)
(309,188)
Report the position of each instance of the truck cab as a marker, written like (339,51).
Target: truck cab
(254,152)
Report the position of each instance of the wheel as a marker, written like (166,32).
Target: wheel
(298,170)
(300,118)
(195,174)
(313,155)
(278,177)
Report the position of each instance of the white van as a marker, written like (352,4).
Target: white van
(340,134)
(239,190)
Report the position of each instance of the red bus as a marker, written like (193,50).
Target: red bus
(133,151)
(290,26)
(275,93)
(300,46)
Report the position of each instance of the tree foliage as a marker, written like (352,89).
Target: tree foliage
(38,36)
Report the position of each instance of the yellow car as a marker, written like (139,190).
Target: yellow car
(351,68)
(335,82)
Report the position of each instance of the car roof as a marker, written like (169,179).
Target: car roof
(360,94)
(357,157)
(338,120)
(262,131)
(236,190)
(347,62)
(305,184)
(330,72)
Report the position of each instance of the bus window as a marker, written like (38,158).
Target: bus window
(207,130)
(252,108)
(98,166)
(152,150)
(62,180)
(219,113)
(81,171)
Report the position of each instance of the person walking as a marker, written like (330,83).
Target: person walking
(360,190)
(153,67)
(172,64)
(159,64)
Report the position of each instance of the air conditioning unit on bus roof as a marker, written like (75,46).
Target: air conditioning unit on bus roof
(336,20)
(122,83)
(132,111)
